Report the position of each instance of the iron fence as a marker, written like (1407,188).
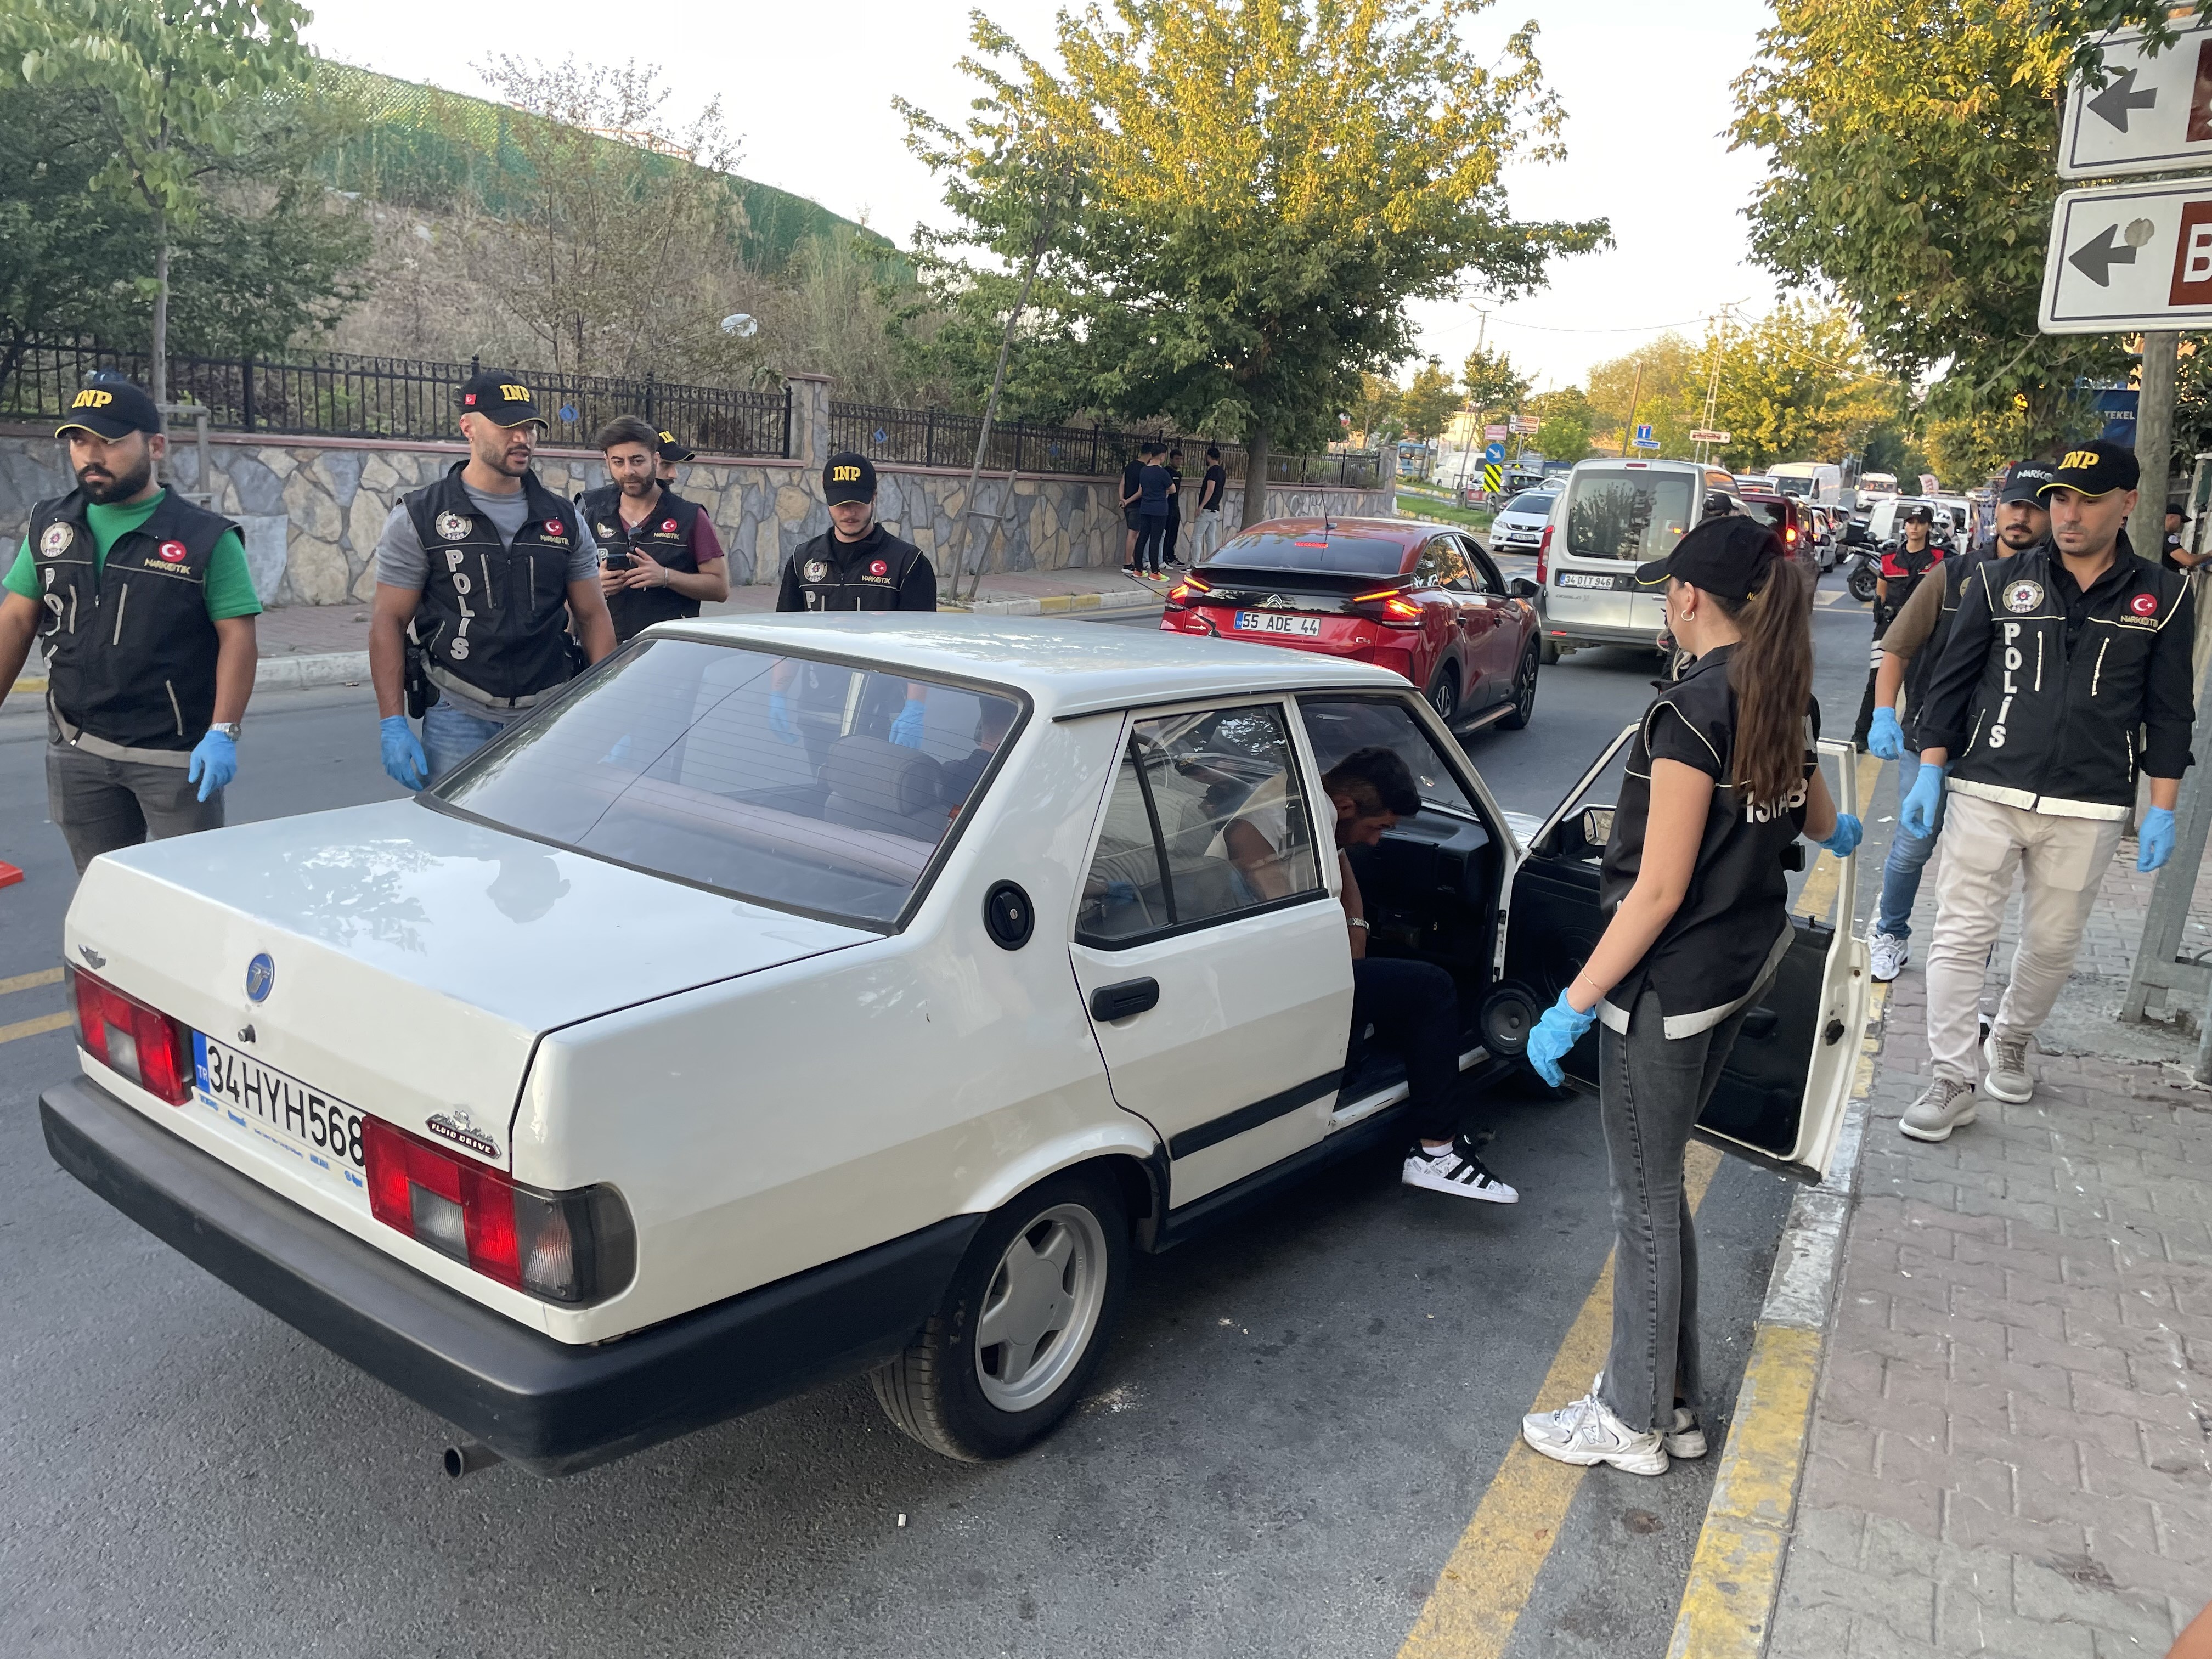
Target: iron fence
(342,395)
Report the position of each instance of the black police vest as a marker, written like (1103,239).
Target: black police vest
(130,653)
(665,537)
(494,616)
(864,575)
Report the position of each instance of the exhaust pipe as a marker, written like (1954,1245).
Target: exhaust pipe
(466,1456)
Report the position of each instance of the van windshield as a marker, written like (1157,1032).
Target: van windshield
(1788,486)
(1631,514)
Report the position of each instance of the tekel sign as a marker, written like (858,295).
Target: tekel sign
(2152,114)
(2129,257)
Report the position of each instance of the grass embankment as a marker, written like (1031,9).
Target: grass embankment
(1421,504)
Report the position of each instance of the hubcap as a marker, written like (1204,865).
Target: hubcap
(1444,698)
(1041,1308)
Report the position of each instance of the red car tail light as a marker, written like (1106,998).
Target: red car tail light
(1180,595)
(576,1247)
(126,1035)
(1388,606)
(1544,557)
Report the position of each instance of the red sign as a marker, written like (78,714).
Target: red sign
(2192,256)
(173,552)
(2144,603)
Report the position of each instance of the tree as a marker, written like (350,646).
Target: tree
(1492,381)
(171,83)
(1429,401)
(1256,191)
(1563,437)
(1374,414)
(1658,385)
(1794,387)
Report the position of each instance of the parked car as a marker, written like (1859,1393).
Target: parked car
(1424,600)
(1519,526)
(1613,515)
(692,1044)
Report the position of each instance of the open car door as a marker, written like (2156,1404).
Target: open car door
(1781,1098)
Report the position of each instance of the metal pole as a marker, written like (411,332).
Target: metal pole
(1628,426)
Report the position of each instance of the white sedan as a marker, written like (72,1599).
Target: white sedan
(695,1043)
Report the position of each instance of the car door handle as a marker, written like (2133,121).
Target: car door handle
(1130,997)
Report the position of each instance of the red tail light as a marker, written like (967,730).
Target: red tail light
(1544,557)
(575,1247)
(1387,606)
(126,1036)
(1180,595)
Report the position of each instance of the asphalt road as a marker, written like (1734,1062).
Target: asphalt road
(1290,1432)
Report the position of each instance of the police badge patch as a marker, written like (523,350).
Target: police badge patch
(2021,597)
(56,537)
(453,526)
(816,570)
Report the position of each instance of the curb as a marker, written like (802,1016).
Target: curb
(1054,605)
(1728,1605)
(289,673)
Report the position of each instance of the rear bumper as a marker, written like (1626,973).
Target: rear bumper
(1565,630)
(552,1408)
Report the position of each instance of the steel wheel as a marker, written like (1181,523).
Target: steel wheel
(1042,1307)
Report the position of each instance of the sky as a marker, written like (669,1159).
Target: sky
(808,90)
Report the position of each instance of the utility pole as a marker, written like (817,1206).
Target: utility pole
(1713,382)
(1628,426)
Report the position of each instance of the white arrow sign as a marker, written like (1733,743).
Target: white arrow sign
(2152,114)
(2129,257)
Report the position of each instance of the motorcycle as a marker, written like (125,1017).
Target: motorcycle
(1865,570)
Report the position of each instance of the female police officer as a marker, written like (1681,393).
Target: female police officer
(1721,779)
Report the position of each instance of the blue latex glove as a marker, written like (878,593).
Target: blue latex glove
(215,763)
(906,730)
(779,719)
(1559,1030)
(1885,737)
(1844,840)
(1918,815)
(2154,841)
(404,761)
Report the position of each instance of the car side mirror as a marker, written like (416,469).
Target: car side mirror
(1522,588)
(1583,836)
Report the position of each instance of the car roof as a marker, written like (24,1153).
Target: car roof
(1065,668)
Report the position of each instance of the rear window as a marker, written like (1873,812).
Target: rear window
(770,778)
(1630,515)
(1317,550)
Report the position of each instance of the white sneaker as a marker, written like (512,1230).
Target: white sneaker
(1458,1171)
(1687,1438)
(2008,1078)
(1944,1105)
(1889,953)
(1586,1434)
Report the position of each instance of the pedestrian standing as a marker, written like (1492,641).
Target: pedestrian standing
(1722,777)
(476,577)
(1131,519)
(144,607)
(1175,508)
(673,453)
(659,555)
(1155,490)
(1909,647)
(1207,535)
(2064,676)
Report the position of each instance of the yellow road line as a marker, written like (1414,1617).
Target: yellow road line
(29,981)
(1479,1595)
(44,1022)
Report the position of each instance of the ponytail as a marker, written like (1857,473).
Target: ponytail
(1770,675)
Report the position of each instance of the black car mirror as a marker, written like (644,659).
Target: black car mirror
(1585,834)
(1522,588)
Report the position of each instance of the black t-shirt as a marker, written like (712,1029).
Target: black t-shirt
(1734,923)
(1174,496)
(1131,483)
(1209,490)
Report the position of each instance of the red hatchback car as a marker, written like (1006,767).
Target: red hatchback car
(1422,598)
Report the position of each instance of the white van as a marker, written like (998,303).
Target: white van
(1612,516)
(1817,482)
(1873,485)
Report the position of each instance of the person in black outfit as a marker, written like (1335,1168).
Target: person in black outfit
(659,555)
(1175,508)
(1902,567)
(1131,519)
(1155,494)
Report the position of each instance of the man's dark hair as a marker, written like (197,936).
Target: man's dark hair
(1377,779)
(627,430)
(1213,451)
(1148,447)
(1174,454)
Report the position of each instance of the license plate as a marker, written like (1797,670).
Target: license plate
(1583,578)
(1261,621)
(282,1116)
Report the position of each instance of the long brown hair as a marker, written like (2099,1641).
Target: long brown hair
(1770,674)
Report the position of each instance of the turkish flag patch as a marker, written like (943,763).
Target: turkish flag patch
(668,526)
(554,528)
(171,552)
(879,568)
(2143,604)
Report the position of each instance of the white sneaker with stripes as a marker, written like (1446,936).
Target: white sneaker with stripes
(1458,1171)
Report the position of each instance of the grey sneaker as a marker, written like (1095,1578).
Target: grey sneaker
(2006,1079)
(1889,953)
(1943,1105)
(1586,1433)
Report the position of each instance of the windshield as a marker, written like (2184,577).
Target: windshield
(1530,503)
(1311,549)
(1631,515)
(771,778)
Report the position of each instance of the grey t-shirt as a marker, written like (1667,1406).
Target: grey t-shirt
(401,561)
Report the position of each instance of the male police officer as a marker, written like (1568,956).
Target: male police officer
(146,609)
(662,554)
(482,569)
(1909,646)
(673,453)
(2065,673)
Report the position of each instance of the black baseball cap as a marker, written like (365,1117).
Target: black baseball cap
(1920,513)
(501,398)
(2095,468)
(673,449)
(848,475)
(109,408)
(1728,556)
(2024,481)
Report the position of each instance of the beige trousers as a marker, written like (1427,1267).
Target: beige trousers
(2061,862)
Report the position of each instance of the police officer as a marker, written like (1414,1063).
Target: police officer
(2065,675)
(1903,565)
(673,453)
(145,609)
(856,564)
(660,555)
(479,574)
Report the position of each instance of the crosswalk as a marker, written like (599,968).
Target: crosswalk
(39,1025)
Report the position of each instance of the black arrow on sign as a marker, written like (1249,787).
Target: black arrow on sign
(2096,259)
(2114,102)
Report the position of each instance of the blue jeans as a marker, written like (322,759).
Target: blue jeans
(1908,856)
(450,735)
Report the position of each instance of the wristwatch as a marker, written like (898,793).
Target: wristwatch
(1360,922)
(229,728)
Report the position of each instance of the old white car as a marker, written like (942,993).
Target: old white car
(695,1043)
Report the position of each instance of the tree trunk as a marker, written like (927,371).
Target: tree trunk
(160,352)
(1257,446)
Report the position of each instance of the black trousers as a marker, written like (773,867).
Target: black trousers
(1414,1009)
(1152,533)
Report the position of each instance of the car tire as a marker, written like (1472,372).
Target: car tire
(1523,705)
(965,1398)
(1444,693)
(1861,582)
(1548,652)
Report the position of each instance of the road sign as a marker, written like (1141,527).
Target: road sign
(2152,114)
(1496,430)
(1493,478)
(1493,451)
(1707,435)
(1929,486)
(2129,257)
(1644,438)
(1528,425)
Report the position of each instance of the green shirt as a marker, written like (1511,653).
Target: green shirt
(229,586)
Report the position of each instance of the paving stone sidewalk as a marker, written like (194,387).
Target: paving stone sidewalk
(2011,1450)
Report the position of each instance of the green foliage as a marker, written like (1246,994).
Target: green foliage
(1661,383)
(1794,387)
(1429,401)
(1492,381)
(1564,437)
(1374,415)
